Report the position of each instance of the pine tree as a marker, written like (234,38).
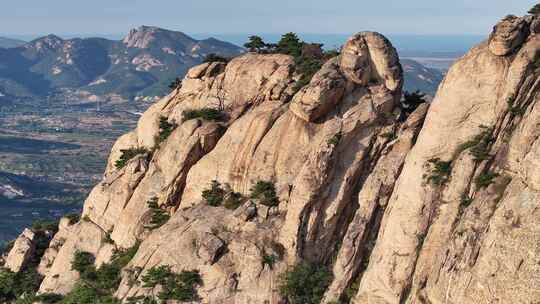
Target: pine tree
(535,10)
(290,44)
(255,44)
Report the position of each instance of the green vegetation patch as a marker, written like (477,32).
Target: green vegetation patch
(466,200)
(97,285)
(535,10)
(514,109)
(305,283)
(334,141)
(158,216)
(411,101)
(174,286)
(215,195)
(308,57)
(479,146)
(307,68)
(485,179)
(209,114)
(219,196)
(165,130)
(127,155)
(45,225)
(269,260)
(440,171)
(265,193)
(212,57)
(233,200)
(27,281)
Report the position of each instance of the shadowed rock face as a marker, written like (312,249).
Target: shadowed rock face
(356,186)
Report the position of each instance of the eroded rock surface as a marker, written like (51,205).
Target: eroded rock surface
(439,207)
(22,251)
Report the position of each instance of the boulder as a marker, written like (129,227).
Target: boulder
(22,251)
(322,94)
(508,35)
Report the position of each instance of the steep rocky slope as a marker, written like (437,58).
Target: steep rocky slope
(441,207)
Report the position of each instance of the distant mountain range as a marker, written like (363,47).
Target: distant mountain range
(420,77)
(142,64)
(10,43)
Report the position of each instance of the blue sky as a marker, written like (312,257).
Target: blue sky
(474,17)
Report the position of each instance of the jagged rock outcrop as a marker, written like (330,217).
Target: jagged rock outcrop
(455,242)
(439,207)
(22,251)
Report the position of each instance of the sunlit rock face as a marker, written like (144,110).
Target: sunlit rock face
(440,206)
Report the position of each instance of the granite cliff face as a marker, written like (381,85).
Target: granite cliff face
(440,207)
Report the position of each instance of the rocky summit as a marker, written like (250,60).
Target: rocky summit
(241,187)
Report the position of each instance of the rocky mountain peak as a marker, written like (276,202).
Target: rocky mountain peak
(143,37)
(49,42)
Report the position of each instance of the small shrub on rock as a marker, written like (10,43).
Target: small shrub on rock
(83,262)
(165,130)
(270,260)
(265,193)
(128,154)
(466,200)
(215,195)
(209,114)
(334,141)
(305,283)
(218,195)
(212,57)
(306,67)
(411,101)
(158,216)
(479,146)
(180,287)
(233,200)
(49,298)
(142,300)
(485,179)
(7,285)
(98,285)
(535,10)
(45,225)
(85,294)
(440,172)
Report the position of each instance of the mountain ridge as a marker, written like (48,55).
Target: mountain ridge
(10,42)
(101,67)
(141,65)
